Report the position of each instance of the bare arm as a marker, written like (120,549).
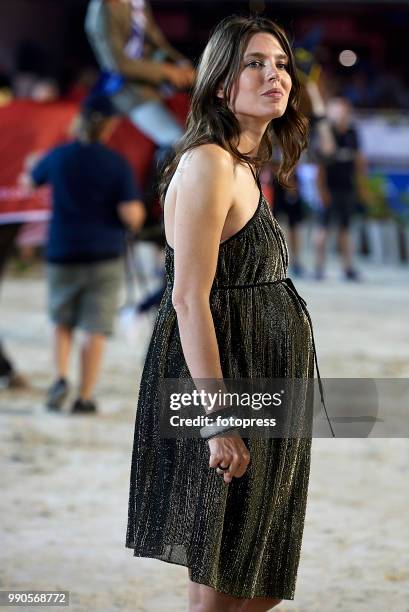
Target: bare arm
(132,214)
(205,194)
(326,143)
(25,180)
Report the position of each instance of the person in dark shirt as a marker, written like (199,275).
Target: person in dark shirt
(89,181)
(338,186)
(289,203)
(94,198)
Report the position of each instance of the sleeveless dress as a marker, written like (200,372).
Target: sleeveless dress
(244,538)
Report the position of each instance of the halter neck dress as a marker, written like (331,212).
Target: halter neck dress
(244,538)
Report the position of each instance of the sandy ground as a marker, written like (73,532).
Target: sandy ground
(65,479)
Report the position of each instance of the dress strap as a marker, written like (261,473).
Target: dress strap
(256,176)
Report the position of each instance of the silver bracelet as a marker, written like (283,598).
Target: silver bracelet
(210,431)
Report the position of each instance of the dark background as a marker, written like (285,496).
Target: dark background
(47,36)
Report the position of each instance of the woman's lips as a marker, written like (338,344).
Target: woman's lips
(274,95)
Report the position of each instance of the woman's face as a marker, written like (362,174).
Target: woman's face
(264,84)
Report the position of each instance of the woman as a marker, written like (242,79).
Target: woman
(228,311)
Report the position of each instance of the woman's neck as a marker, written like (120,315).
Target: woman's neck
(250,139)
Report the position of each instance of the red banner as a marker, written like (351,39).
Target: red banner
(28,127)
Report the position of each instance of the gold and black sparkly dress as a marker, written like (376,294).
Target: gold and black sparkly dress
(244,538)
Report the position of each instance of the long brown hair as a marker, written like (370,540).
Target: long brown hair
(211,121)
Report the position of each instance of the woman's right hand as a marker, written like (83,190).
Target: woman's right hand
(229,449)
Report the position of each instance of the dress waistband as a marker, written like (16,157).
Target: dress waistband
(303,305)
(250,285)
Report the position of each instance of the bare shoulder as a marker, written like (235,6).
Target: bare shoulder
(207,160)
(204,196)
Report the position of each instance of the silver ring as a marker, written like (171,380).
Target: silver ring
(221,470)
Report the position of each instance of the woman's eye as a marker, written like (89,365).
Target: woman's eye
(257,64)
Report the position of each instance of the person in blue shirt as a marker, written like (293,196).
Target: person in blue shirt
(95,198)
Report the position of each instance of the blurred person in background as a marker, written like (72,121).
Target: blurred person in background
(9,378)
(138,64)
(40,90)
(339,180)
(290,203)
(94,197)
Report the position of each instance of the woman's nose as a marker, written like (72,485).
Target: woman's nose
(272,74)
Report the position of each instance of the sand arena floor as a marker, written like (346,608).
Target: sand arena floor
(65,479)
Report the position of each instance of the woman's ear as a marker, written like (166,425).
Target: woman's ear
(220,91)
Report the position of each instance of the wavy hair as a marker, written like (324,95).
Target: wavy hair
(211,121)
